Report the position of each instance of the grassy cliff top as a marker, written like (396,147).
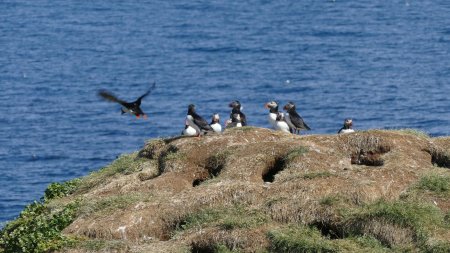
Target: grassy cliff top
(252,190)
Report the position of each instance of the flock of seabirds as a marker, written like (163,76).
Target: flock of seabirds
(195,125)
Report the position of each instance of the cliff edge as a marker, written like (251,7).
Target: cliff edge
(252,190)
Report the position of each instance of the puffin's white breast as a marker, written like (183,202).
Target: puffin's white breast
(216,127)
(273,119)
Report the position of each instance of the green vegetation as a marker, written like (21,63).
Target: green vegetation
(420,218)
(56,190)
(224,218)
(111,204)
(439,184)
(329,200)
(295,152)
(299,239)
(38,229)
(313,175)
(125,164)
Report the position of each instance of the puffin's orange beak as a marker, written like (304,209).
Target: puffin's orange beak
(266,105)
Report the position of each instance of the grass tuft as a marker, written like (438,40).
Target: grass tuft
(439,184)
(125,164)
(295,152)
(314,175)
(329,200)
(298,239)
(416,132)
(416,217)
(224,218)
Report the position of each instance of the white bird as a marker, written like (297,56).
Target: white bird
(215,123)
(273,111)
(188,130)
(347,128)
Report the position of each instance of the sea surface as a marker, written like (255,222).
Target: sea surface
(386,64)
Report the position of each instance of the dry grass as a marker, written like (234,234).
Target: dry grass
(212,194)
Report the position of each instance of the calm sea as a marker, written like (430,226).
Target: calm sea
(386,64)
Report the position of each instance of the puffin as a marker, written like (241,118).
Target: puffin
(188,130)
(347,128)
(294,120)
(236,121)
(215,123)
(197,122)
(133,108)
(281,123)
(236,105)
(273,112)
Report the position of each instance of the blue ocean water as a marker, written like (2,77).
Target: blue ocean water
(386,64)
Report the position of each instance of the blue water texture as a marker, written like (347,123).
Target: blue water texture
(386,64)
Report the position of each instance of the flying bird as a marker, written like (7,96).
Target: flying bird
(133,108)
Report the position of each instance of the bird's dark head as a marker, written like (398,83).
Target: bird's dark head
(289,106)
(191,108)
(235,104)
(348,123)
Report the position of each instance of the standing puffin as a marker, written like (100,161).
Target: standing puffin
(197,122)
(281,123)
(236,121)
(347,128)
(133,108)
(273,112)
(236,105)
(188,130)
(215,123)
(294,120)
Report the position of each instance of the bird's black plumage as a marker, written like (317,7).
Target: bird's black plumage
(236,105)
(198,120)
(133,108)
(297,122)
(236,121)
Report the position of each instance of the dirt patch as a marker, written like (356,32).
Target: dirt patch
(440,157)
(368,150)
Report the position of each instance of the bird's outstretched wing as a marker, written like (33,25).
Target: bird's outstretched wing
(110,97)
(138,101)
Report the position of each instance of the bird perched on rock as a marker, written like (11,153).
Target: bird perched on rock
(215,123)
(294,120)
(197,122)
(281,123)
(133,108)
(273,112)
(235,121)
(188,130)
(347,128)
(237,107)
